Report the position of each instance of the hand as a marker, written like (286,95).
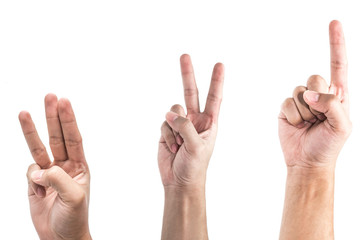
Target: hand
(59,190)
(314,124)
(185,148)
(313,127)
(187,140)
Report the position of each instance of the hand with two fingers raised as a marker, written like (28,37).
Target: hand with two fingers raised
(187,140)
(186,145)
(59,189)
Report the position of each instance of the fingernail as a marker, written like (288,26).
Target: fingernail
(312,96)
(174,148)
(36,175)
(301,125)
(313,120)
(41,192)
(179,140)
(171,116)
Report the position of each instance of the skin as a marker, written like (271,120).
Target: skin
(185,147)
(58,190)
(313,127)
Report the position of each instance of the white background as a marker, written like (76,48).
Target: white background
(118,62)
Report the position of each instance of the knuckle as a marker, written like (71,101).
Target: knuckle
(74,141)
(190,92)
(30,169)
(56,140)
(295,121)
(176,108)
(164,125)
(53,173)
(297,90)
(39,151)
(165,129)
(314,79)
(186,124)
(338,64)
(214,98)
(169,136)
(287,103)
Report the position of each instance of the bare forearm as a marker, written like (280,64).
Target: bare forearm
(309,204)
(184,214)
(87,236)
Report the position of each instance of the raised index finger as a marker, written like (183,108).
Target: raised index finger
(36,146)
(338,84)
(191,93)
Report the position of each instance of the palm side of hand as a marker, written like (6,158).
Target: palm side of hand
(313,145)
(311,138)
(47,212)
(183,167)
(58,215)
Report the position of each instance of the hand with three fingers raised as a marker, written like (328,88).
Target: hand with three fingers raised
(313,127)
(186,145)
(59,189)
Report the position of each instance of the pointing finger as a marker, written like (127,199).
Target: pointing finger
(191,92)
(36,146)
(339,63)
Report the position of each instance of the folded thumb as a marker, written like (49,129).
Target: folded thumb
(60,181)
(185,128)
(329,105)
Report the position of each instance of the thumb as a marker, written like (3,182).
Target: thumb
(185,128)
(55,177)
(330,106)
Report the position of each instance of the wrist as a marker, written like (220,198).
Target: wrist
(311,183)
(80,235)
(309,204)
(184,213)
(187,200)
(185,196)
(309,174)
(87,236)
(188,190)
